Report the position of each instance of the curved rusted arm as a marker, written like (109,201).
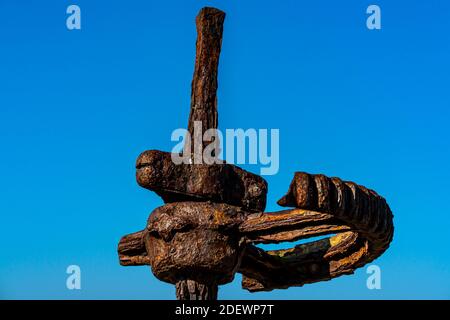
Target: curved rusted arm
(361,218)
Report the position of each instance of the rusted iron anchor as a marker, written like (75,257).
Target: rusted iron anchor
(214,214)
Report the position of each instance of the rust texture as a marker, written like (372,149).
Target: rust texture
(192,290)
(213,216)
(204,83)
(201,182)
(360,218)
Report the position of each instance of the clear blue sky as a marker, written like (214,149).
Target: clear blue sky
(77,108)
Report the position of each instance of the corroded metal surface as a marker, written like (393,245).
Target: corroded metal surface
(213,216)
(156,171)
(193,290)
(209,24)
(361,219)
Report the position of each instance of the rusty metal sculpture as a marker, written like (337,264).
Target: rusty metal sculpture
(214,214)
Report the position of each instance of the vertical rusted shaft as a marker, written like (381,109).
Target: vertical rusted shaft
(204,83)
(192,290)
(209,24)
